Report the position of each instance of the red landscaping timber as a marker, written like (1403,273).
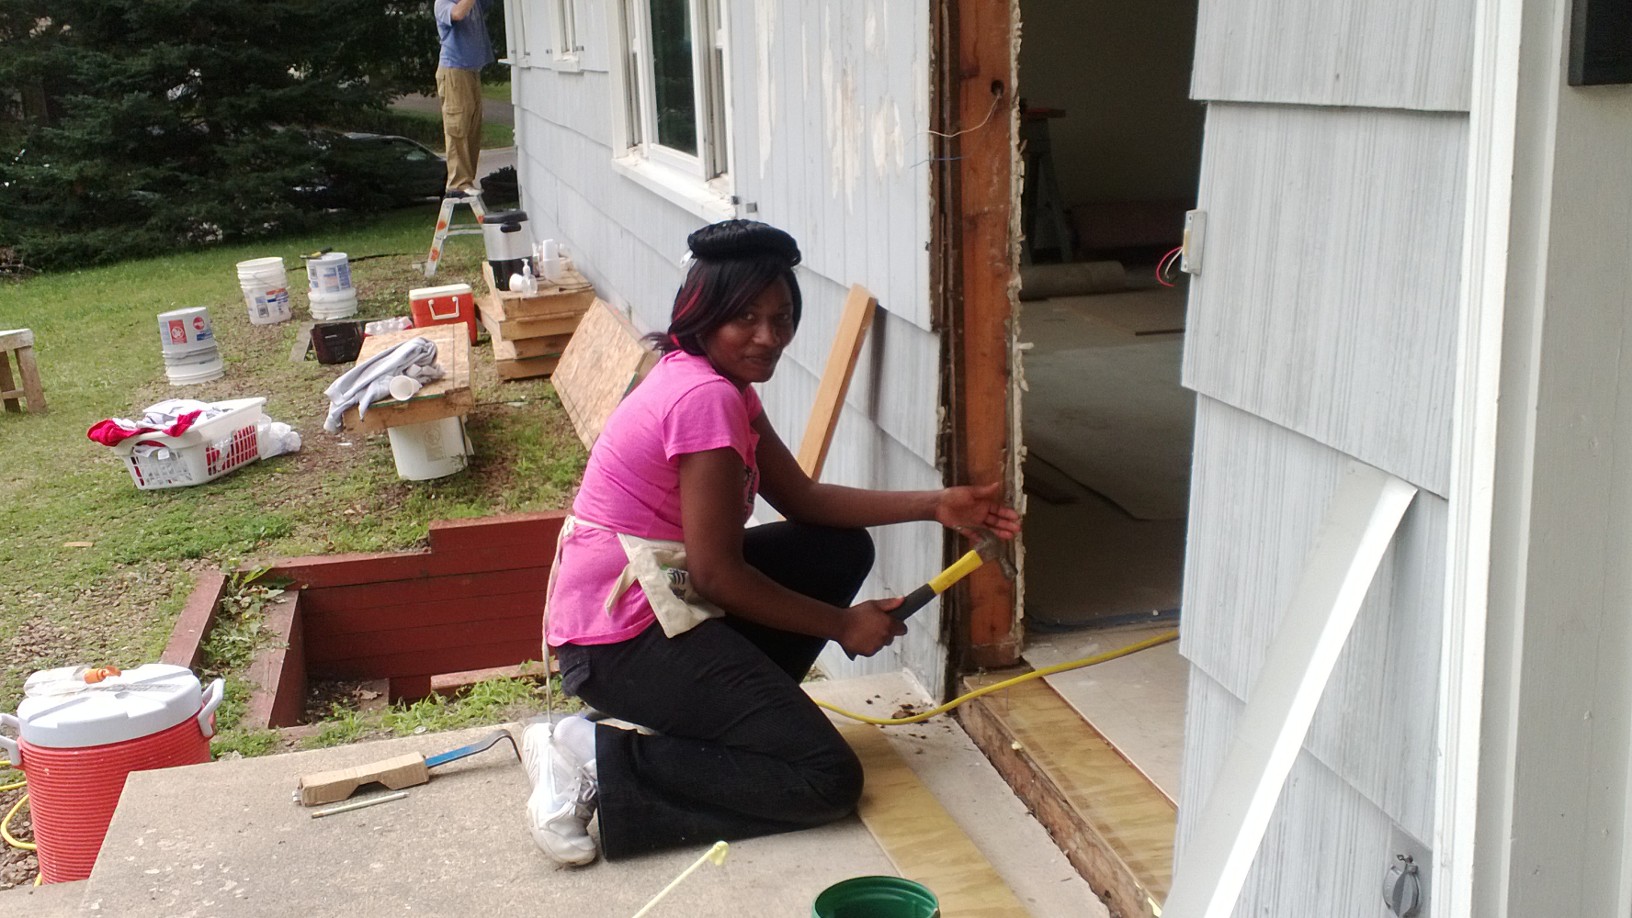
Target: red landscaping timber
(408,688)
(342,570)
(525,532)
(279,672)
(420,620)
(337,651)
(451,683)
(429,663)
(454,615)
(394,593)
(187,637)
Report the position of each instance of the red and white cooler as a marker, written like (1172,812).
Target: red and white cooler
(445,305)
(80,736)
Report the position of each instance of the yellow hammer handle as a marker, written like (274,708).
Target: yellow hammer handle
(960,569)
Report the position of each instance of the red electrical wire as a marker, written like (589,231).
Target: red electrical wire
(1167,262)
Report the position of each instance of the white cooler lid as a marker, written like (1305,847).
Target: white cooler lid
(427,293)
(60,710)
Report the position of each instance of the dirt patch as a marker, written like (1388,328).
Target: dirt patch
(17,866)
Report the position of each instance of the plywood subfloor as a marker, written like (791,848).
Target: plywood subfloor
(1086,560)
(1136,702)
(948,764)
(1116,827)
(1104,404)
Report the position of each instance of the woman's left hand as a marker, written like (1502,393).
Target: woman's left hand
(977,505)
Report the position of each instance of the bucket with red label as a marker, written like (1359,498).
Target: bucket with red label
(82,731)
(188,340)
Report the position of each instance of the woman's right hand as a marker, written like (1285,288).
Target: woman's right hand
(869,627)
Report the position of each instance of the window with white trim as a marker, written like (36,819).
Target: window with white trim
(566,49)
(671,88)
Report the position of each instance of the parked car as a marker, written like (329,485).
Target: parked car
(367,171)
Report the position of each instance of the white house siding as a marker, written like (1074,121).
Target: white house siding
(1259,493)
(1391,54)
(1329,299)
(1322,331)
(829,114)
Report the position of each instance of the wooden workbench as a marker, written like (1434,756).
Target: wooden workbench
(447,397)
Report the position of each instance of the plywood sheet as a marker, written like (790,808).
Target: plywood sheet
(920,838)
(447,397)
(510,328)
(527,367)
(1136,702)
(1159,310)
(1087,560)
(1111,821)
(602,362)
(569,298)
(1116,420)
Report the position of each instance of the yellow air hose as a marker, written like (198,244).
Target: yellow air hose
(1109,655)
(5,824)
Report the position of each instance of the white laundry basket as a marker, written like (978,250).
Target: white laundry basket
(203,452)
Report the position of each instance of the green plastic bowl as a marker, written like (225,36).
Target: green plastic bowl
(876,897)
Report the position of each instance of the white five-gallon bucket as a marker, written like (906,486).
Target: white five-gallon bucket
(429,450)
(190,353)
(328,287)
(266,290)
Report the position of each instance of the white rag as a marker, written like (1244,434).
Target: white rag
(370,381)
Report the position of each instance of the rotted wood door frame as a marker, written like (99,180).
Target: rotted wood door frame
(974,272)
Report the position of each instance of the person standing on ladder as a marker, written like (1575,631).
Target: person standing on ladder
(461,25)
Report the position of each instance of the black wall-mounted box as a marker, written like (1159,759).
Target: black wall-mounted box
(1601,42)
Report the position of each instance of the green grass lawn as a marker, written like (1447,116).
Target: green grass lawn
(97,343)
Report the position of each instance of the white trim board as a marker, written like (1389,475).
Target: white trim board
(1359,525)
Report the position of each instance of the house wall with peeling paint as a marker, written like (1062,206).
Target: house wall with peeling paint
(828,108)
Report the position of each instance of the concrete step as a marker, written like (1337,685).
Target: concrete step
(226,838)
(53,900)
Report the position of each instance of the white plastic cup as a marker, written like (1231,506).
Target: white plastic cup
(403,388)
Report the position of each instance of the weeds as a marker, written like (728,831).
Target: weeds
(490,702)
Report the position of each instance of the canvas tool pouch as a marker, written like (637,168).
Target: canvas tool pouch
(659,566)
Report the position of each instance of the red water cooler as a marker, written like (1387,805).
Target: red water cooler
(77,740)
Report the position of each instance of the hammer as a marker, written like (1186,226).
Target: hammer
(985,550)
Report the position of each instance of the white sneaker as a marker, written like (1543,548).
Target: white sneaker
(564,793)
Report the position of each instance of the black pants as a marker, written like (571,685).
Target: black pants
(740,749)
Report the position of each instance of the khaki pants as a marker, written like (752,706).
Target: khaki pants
(461,95)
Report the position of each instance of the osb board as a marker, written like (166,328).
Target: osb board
(512,329)
(920,838)
(604,360)
(1109,819)
(447,397)
(569,298)
(527,367)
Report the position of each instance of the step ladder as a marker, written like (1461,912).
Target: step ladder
(445,226)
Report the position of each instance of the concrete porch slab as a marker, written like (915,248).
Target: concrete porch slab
(226,839)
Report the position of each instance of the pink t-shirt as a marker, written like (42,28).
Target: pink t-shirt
(632,485)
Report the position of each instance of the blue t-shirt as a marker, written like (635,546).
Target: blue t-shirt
(465,44)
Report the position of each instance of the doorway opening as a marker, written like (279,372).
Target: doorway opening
(1112,148)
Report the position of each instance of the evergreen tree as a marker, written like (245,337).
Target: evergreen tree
(131,126)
